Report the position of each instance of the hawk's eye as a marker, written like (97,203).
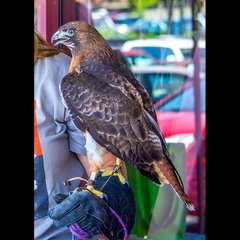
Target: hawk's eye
(71,32)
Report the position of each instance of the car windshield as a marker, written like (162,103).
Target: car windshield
(161,84)
(185,101)
(159,53)
(140,60)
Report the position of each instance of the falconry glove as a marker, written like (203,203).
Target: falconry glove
(92,213)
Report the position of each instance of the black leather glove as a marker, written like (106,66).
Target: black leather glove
(93,214)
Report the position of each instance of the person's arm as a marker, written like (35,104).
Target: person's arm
(93,214)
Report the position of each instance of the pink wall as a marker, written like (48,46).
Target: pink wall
(48,17)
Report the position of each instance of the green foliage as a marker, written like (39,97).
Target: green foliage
(140,5)
(109,33)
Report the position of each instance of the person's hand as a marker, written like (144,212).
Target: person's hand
(89,211)
(93,214)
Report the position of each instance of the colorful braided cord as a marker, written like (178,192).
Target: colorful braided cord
(79,233)
(122,223)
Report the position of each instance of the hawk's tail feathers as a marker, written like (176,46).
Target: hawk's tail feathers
(172,178)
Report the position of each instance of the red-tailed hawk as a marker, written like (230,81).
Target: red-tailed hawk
(112,108)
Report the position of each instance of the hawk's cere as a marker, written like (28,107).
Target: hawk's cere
(112,108)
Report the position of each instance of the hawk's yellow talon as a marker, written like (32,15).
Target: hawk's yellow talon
(94,191)
(106,172)
(121,177)
(115,171)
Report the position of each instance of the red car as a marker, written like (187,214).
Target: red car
(177,120)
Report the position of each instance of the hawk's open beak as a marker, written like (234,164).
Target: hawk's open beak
(55,37)
(61,36)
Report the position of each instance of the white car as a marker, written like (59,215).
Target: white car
(161,49)
(185,44)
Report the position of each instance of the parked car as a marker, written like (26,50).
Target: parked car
(121,17)
(159,48)
(149,26)
(106,26)
(161,80)
(140,57)
(186,45)
(176,114)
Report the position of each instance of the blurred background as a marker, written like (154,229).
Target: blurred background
(163,43)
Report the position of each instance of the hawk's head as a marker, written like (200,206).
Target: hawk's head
(71,34)
(85,41)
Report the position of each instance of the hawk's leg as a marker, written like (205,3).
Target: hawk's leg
(95,154)
(115,172)
(90,185)
(105,172)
